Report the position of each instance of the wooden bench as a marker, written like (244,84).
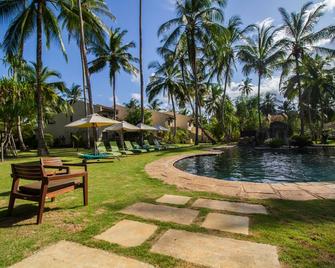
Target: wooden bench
(47,184)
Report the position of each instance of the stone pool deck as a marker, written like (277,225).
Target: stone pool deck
(164,169)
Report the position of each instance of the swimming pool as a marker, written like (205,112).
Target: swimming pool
(246,164)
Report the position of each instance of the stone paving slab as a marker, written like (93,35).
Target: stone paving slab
(217,252)
(173,199)
(72,255)
(162,213)
(263,188)
(227,223)
(230,206)
(128,233)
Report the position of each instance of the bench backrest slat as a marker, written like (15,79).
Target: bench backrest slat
(28,172)
(51,161)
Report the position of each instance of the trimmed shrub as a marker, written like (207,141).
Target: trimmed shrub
(301,141)
(274,143)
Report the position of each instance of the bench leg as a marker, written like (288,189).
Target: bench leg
(11,205)
(53,199)
(85,189)
(41,203)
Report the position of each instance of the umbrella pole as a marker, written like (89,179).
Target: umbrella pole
(122,140)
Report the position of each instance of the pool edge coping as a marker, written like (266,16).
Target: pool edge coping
(164,169)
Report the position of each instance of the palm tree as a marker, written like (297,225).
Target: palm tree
(155,105)
(301,39)
(246,87)
(261,55)
(222,54)
(141,65)
(269,104)
(82,19)
(167,80)
(34,16)
(195,20)
(73,94)
(116,55)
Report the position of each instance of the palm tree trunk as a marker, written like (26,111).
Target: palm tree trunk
(141,67)
(174,116)
(23,147)
(85,66)
(114,96)
(224,94)
(85,100)
(259,102)
(42,149)
(193,59)
(301,108)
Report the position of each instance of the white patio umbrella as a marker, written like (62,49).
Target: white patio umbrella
(121,128)
(144,127)
(161,128)
(92,121)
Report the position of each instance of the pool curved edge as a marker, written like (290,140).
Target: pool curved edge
(164,170)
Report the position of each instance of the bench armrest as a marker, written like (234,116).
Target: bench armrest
(58,167)
(84,165)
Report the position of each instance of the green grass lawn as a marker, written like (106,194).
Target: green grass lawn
(304,232)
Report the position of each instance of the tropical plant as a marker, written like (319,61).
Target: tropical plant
(114,54)
(155,105)
(33,17)
(73,94)
(246,86)
(134,113)
(301,39)
(166,81)
(194,20)
(269,104)
(261,54)
(222,54)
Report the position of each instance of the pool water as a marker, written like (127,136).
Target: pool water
(241,164)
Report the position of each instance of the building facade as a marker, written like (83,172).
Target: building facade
(57,128)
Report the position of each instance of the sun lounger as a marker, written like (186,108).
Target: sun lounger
(115,148)
(146,148)
(132,148)
(148,145)
(103,151)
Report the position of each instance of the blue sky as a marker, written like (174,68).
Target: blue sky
(155,12)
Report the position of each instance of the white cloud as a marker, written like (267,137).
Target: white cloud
(330,5)
(135,78)
(136,96)
(268,85)
(170,4)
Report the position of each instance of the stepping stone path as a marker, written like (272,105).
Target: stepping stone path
(230,206)
(68,254)
(227,223)
(128,233)
(162,213)
(213,251)
(173,199)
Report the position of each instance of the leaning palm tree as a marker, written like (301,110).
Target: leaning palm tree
(300,39)
(261,55)
(33,17)
(114,53)
(167,80)
(246,87)
(195,19)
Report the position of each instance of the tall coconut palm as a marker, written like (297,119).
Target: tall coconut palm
(114,53)
(33,17)
(167,80)
(195,19)
(246,87)
(141,64)
(260,54)
(83,21)
(300,39)
(223,52)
